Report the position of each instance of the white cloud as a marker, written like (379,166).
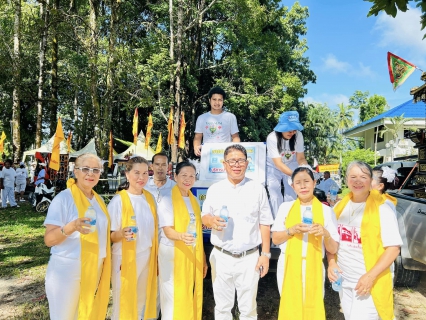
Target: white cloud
(332,64)
(402,35)
(332,100)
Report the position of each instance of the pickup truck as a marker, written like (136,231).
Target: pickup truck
(411,215)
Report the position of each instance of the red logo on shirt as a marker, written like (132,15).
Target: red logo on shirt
(349,234)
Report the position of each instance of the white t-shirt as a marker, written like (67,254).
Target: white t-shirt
(21,175)
(217,127)
(144,221)
(248,208)
(9,177)
(287,156)
(325,185)
(350,257)
(330,224)
(63,210)
(166,217)
(159,192)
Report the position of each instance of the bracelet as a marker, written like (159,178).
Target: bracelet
(63,232)
(326,238)
(288,233)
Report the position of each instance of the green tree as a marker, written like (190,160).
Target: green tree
(368,107)
(344,117)
(365,155)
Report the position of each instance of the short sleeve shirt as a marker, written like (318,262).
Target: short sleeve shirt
(216,127)
(287,156)
(9,177)
(159,192)
(63,210)
(325,185)
(21,175)
(248,208)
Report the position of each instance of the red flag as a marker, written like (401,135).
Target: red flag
(39,156)
(399,70)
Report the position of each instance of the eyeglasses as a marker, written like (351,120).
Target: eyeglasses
(233,162)
(86,170)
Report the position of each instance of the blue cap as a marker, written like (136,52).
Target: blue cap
(289,121)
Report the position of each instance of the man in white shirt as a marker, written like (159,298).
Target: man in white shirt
(21,181)
(327,183)
(7,183)
(217,125)
(235,260)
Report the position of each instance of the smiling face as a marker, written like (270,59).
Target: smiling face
(216,103)
(359,182)
(287,135)
(237,171)
(304,186)
(137,177)
(89,180)
(185,179)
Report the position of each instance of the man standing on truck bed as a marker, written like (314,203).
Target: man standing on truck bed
(235,261)
(217,125)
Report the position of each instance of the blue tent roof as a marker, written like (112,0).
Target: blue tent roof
(409,109)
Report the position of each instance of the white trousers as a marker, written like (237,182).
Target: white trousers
(142,270)
(63,278)
(166,258)
(273,179)
(357,307)
(230,274)
(8,194)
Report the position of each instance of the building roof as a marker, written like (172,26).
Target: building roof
(409,109)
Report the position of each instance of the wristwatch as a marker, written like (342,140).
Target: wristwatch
(266,254)
(289,234)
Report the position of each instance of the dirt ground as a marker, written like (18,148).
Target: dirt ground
(410,304)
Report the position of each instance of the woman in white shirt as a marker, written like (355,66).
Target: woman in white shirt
(79,269)
(135,243)
(182,262)
(369,243)
(285,152)
(300,271)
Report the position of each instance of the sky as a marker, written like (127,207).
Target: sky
(348,51)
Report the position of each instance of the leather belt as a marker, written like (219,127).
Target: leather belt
(237,254)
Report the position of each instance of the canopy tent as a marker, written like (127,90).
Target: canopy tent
(138,149)
(88,148)
(47,148)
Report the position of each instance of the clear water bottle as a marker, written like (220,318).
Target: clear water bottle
(224,214)
(133,228)
(337,285)
(333,192)
(192,229)
(308,217)
(91,213)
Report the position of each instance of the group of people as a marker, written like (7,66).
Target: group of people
(13,182)
(157,259)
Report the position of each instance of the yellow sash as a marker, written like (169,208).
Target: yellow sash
(372,248)
(128,292)
(292,304)
(94,296)
(390,198)
(188,262)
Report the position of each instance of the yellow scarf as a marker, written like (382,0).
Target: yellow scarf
(128,292)
(292,304)
(390,198)
(94,296)
(188,262)
(372,248)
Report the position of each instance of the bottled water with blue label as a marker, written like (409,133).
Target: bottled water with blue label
(91,213)
(224,214)
(308,217)
(192,228)
(337,285)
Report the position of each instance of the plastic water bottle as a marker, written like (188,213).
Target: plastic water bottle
(224,214)
(337,285)
(333,193)
(308,217)
(192,229)
(133,227)
(91,213)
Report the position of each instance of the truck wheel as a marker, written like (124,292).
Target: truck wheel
(404,277)
(42,206)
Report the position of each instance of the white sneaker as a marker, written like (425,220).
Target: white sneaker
(22,200)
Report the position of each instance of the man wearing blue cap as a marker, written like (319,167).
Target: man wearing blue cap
(217,125)
(285,152)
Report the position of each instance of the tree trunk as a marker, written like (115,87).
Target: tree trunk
(54,73)
(44,15)
(16,108)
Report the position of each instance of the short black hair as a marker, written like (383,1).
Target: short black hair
(217,90)
(160,154)
(184,164)
(237,147)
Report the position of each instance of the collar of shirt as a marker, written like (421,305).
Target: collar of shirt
(235,186)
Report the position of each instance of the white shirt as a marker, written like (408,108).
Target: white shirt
(350,257)
(217,127)
(248,208)
(9,177)
(166,217)
(325,185)
(287,156)
(144,221)
(159,192)
(330,224)
(63,210)
(21,175)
